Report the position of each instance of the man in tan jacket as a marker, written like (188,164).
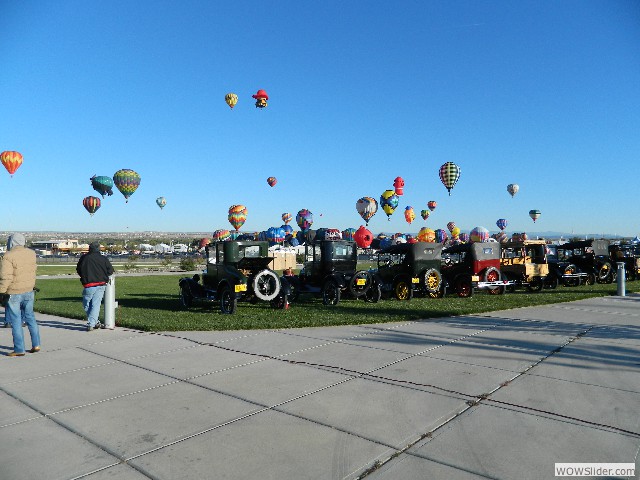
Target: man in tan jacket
(17,279)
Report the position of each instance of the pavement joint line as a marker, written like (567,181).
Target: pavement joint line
(582,383)
(58,373)
(595,310)
(101,469)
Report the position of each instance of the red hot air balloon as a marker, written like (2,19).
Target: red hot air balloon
(363,237)
(261,98)
(11,161)
(432,204)
(272,181)
(398,184)
(91,204)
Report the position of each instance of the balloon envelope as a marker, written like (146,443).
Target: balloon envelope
(367,208)
(221,235)
(449,175)
(286,218)
(409,214)
(441,235)
(432,204)
(425,214)
(534,214)
(91,204)
(513,188)
(451,226)
(102,184)
(502,223)
(479,234)
(11,161)
(304,219)
(231,99)
(398,184)
(237,216)
(426,235)
(363,237)
(127,181)
(348,233)
(161,202)
(389,202)
(272,181)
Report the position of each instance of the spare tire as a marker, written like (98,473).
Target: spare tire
(355,288)
(266,285)
(432,280)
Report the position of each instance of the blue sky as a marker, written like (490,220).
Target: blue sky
(545,94)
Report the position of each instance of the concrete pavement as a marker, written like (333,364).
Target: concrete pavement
(502,395)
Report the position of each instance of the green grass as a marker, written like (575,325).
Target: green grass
(151,303)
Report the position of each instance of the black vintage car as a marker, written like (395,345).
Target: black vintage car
(330,270)
(562,271)
(629,255)
(470,266)
(591,257)
(408,267)
(236,270)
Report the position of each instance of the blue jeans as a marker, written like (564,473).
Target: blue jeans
(91,300)
(19,308)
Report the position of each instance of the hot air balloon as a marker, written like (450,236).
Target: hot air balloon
(409,214)
(286,218)
(204,242)
(441,235)
(513,188)
(348,233)
(455,232)
(161,202)
(237,216)
(426,235)
(464,237)
(432,204)
(261,98)
(502,223)
(398,184)
(363,237)
(479,234)
(127,181)
(102,184)
(231,99)
(367,208)
(288,229)
(275,235)
(449,175)
(304,219)
(221,235)
(91,204)
(425,214)
(272,181)
(534,214)
(451,226)
(11,161)
(389,201)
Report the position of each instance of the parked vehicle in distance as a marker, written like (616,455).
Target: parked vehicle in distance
(628,255)
(235,270)
(330,270)
(561,270)
(408,267)
(471,266)
(591,257)
(525,263)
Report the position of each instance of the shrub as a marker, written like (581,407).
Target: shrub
(188,264)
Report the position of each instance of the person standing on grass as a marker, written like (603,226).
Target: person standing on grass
(94,270)
(17,281)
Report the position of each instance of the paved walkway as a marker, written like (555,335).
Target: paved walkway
(503,395)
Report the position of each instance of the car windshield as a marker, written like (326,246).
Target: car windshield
(250,251)
(341,251)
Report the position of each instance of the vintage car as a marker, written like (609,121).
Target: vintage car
(591,257)
(524,262)
(235,270)
(630,256)
(470,266)
(330,270)
(408,267)
(561,270)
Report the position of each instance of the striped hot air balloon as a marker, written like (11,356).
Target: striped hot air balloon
(286,218)
(237,216)
(534,214)
(479,234)
(91,204)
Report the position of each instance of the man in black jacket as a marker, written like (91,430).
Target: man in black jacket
(94,270)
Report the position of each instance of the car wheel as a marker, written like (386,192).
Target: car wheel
(330,293)
(591,279)
(440,293)
(432,280)
(551,282)
(360,283)
(186,298)
(604,273)
(266,285)
(493,275)
(402,289)
(228,301)
(374,294)
(281,302)
(464,289)
(535,285)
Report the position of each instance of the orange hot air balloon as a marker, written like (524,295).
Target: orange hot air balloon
(11,161)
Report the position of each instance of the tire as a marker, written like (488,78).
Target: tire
(330,293)
(294,288)
(535,285)
(432,280)
(186,298)
(464,288)
(492,274)
(228,301)
(374,293)
(604,273)
(442,291)
(402,289)
(266,285)
(359,290)
(281,302)
(551,282)
(591,279)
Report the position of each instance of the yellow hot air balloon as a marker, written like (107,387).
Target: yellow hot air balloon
(231,99)
(11,161)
